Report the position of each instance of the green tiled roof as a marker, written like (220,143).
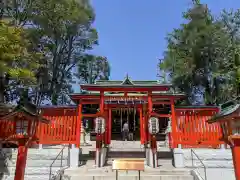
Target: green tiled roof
(111,82)
(126,81)
(26,107)
(171,93)
(226,109)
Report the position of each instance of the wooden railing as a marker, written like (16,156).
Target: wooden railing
(7,129)
(61,130)
(193,131)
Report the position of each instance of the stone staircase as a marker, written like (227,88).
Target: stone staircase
(38,163)
(89,172)
(128,149)
(218,163)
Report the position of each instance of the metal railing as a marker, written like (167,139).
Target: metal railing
(204,167)
(61,163)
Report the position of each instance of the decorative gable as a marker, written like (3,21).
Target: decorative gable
(127,81)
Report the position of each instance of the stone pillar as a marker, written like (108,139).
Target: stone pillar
(222,146)
(40,146)
(82,138)
(151,158)
(167,132)
(73,156)
(178,157)
(101,155)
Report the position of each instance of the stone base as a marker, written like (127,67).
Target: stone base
(101,155)
(178,156)
(73,154)
(151,158)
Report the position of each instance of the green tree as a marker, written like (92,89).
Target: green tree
(231,22)
(16,61)
(62,31)
(197,55)
(91,68)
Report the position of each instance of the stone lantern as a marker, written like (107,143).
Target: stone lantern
(229,120)
(25,119)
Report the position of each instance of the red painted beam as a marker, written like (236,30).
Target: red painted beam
(123,106)
(97,97)
(160,102)
(90,102)
(90,115)
(160,115)
(197,109)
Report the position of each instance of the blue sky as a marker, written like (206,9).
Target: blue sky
(132,32)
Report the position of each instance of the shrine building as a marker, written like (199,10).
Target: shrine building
(126,101)
(147,106)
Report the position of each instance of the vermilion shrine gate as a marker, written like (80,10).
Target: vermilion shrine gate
(132,101)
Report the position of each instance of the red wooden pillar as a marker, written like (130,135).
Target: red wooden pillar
(21,162)
(150,104)
(79,123)
(141,126)
(236,157)
(174,124)
(101,102)
(106,127)
(109,126)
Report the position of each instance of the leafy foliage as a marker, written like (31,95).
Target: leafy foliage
(200,58)
(61,31)
(91,68)
(17,61)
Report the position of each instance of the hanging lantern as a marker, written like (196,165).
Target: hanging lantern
(100,125)
(153,125)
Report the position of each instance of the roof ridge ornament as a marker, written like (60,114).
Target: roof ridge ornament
(127,81)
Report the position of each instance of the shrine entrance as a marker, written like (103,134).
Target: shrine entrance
(145,105)
(122,115)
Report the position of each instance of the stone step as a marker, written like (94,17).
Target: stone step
(208,154)
(210,163)
(38,163)
(126,154)
(156,174)
(107,171)
(34,177)
(159,177)
(41,155)
(160,161)
(32,170)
